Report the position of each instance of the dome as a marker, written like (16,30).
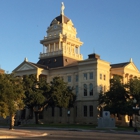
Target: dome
(59,19)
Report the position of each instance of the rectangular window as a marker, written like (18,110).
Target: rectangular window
(76,78)
(69,78)
(41,115)
(85,76)
(76,111)
(91,75)
(52,111)
(68,113)
(91,111)
(85,111)
(100,76)
(104,77)
(60,112)
(76,91)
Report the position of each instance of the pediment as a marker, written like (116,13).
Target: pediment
(26,67)
(131,66)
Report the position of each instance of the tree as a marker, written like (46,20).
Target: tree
(133,87)
(37,94)
(40,94)
(62,94)
(116,100)
(11,95)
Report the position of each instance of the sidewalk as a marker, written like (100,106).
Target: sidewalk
(5,133)
(24,132)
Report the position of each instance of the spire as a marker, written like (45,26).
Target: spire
(131,60)
(62,8)
(26,60)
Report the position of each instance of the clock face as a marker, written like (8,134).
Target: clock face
(55,26)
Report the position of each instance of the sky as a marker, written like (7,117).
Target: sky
(110,28)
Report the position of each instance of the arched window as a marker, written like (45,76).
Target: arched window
(76,91)
(91,89)
(85,90)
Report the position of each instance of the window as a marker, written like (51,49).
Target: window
(85,76)
(91,75)
(104,77)
(68,113)
(60,112)
(91,111)
(85,90)
(100,76)
(76,91)
(101,89)
(91,89)
(85,111)
(76,111)
(69,78)
(76,77)
(52,111)
(41,115)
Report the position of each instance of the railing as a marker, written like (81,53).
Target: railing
(70,54)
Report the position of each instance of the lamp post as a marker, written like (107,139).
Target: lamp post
(135,108)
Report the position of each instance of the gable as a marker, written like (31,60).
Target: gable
(132,67)
(25,66)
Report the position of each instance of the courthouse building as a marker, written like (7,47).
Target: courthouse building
(61,57)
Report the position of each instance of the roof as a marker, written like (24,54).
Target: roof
(39,65)
(59,18)
(119,65)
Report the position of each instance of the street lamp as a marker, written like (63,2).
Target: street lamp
(135,108)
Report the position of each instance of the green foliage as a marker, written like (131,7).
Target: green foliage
(11,95)
(134,88)
(35,91)
(119,99)
(40,93)
(116,100)
(62,94)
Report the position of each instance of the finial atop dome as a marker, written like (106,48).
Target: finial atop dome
(26,60)
(62,8)
(131,60)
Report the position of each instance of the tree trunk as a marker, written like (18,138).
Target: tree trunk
(36,117)
(12,121)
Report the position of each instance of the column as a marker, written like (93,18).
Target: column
(78,50)
(46,49)
(49,47)
(70,49)
(59,47)
(123,78)
(43,49)
(54,47)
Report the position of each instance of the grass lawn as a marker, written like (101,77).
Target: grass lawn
(79,126)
